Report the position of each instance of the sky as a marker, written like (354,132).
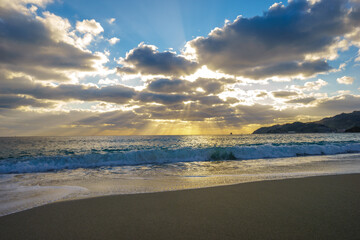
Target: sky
(174,67)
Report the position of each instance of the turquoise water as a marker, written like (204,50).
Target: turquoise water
(39,170)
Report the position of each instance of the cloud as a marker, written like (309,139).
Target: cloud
(116,94)
(147,60)
(108,81)
(20,5)
(285,41)
(213,86)
(303,69)
(345,80)
(310,86)
(111,20)
(29,46)
(306,100)
(30,123)
(148,97)
(338,104)
(161,91)
(209,100)
(14,101)
(89,26)
(58,27)
(113,40)
(207,85)
(297,40)
(261,94)
(284,94)
(216,112)
(170,86)
(343,92)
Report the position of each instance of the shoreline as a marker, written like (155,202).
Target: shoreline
(320,207)
(66,199)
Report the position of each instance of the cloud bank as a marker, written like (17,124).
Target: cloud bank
(292,40)
(146,59)
(43,55)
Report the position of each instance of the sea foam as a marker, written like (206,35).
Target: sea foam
(161,155)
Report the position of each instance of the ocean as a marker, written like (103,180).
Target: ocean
(39,170)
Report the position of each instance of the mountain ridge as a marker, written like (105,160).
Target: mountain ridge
(344,122)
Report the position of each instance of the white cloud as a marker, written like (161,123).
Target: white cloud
(113,40)
(20,5)
(111,20)
(33,9)
(89,26)
(343,92)
(310,86)
(276,5)
(108,81)
(358,57)
(59,27)
(61,30)
(345,80)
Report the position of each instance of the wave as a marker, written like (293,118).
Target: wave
(161,156)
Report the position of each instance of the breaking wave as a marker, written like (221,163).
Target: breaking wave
(160,156)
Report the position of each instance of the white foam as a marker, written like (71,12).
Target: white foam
(160,156)
(16,197)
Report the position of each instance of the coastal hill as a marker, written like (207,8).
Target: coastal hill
(345,122)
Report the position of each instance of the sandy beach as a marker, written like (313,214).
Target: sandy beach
(324,207)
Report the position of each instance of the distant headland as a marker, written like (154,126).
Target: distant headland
(345,122)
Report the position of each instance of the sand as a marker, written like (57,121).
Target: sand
(325,207)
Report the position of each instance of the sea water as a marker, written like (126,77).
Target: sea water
(38,170)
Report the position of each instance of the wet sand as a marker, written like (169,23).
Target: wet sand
(326,207)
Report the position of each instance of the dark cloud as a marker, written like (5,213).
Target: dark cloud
(163,91)
(14,101)
(305,69)
(126,70)
(170,91)
(262,94)
(209,85)
(213,86)
(26,46)
(115,94)
(344,103)
(330,106)
(21,85)
(210,100)
(148,97)
(306,100)
(277,43)
(170,86)
(355,14)
(284,94)
(147,59)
